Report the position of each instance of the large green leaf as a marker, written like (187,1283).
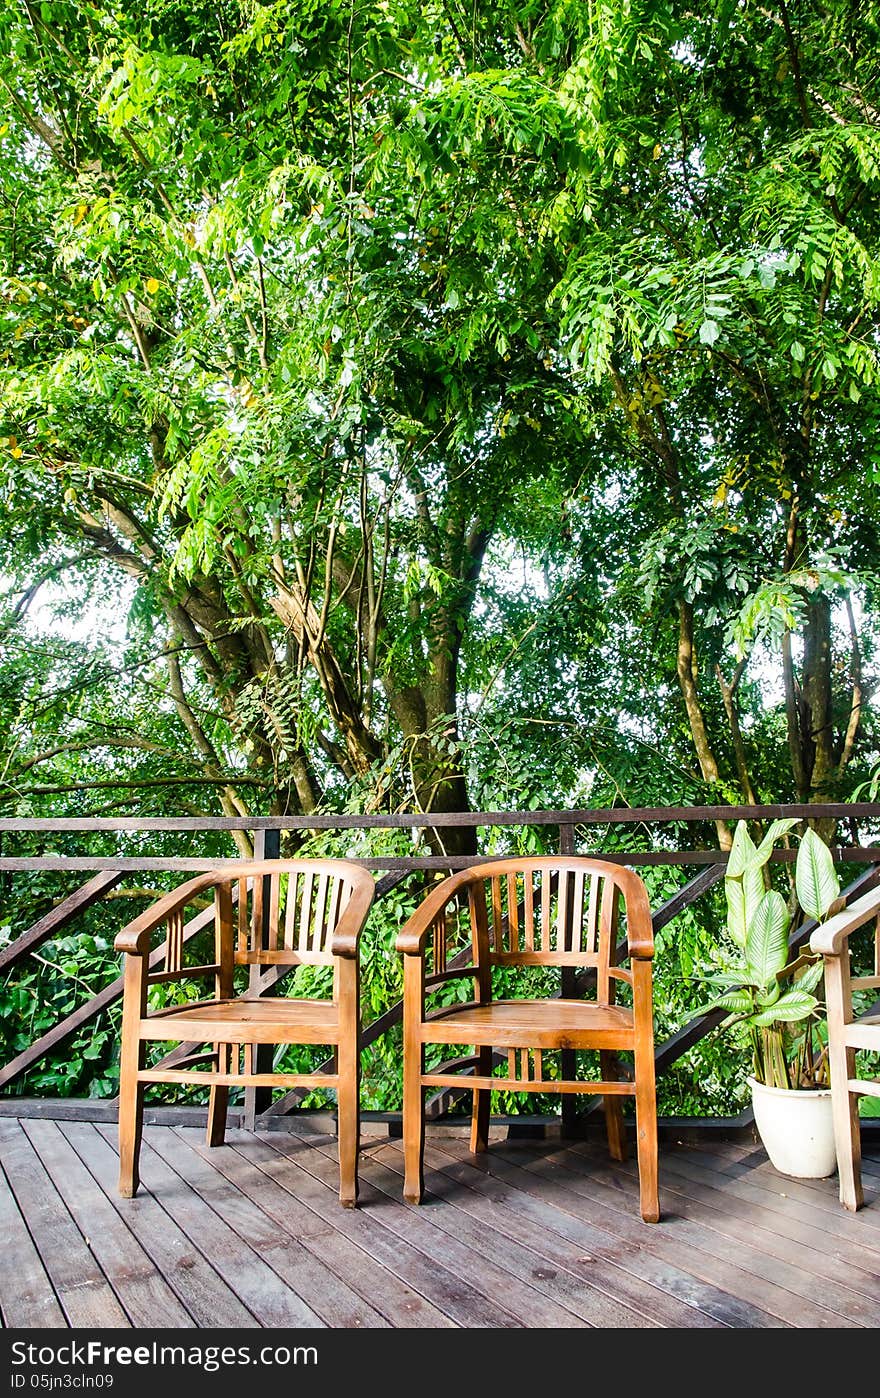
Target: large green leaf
(767,938)
(815,880)
(774,833)
(753,890)
(737,1002)
(793,1005)
(742,851)
(810,977)
(736,911)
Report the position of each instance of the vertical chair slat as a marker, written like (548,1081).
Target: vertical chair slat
(257,915)
(546,885)
(607,939)
(318,933)
(305,915)
(290,911)
(563,915)
(577,912)
(334,905)
(591,926)
(174,941)
(497,917)
(529,908)
(274,904)
(439,944)
(513,929)
(242,916)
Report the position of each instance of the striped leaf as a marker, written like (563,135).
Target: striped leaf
(793,1005)
(767,941)
(815,880)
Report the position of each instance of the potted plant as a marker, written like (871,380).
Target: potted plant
(772,995)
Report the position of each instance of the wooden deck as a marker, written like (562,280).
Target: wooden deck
(539,1234)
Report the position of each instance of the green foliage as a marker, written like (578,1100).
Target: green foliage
(761,989)
(404,408)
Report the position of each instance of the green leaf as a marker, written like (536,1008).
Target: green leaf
(775,832)
(736,911)
(815,880)
(792,1006)
(709,332)
(737,1002)
(767,939)
(810,977)
(742,851)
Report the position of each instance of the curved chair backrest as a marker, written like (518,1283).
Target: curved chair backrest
(288,910)
(554,910)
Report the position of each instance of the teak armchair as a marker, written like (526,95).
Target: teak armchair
(848,1033)
(555,911)
(269,915)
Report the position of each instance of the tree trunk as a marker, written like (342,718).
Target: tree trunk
(687,678)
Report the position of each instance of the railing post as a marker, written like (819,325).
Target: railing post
(267,845)
(568,1064)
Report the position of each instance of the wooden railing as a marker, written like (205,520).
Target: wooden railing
(578,830)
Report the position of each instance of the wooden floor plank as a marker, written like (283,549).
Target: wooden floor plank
(601,1194)
(398,1303)
(603,1235)
(657,1292)
(536,1234)
(563,1270)
(452,1298)
(258,1286)
(498,1266)
(204,1294)
(525,1303)
(80,1285)
(819,1196)
(538,1253)
(27,1297)
(788,1290)
(855,1265)
(856,1290)
(307,1258)
(140,1288)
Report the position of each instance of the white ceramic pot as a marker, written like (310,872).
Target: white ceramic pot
(796,1129)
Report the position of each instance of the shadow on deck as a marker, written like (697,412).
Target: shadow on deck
(537,1234)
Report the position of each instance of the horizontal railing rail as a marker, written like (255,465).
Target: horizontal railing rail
(266,831)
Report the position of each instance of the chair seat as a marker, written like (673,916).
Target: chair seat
(271,1020)
(557,1023)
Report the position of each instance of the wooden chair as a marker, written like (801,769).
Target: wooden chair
(550,911)
(267,916)
(848,1033)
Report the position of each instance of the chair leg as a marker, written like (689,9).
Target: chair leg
(847,1137)
(614,1128)
(217,1105)
(131,1119)
(481,1103)
(842,1067)
(646,1136)
(348,1123)
(413,1125)
(131,1060)
(218,1100)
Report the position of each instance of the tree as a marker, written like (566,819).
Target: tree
(317,321)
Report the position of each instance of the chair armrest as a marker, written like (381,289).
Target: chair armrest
(345,937)
(639,925)
(828,938)
(414,934)
(135,938)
